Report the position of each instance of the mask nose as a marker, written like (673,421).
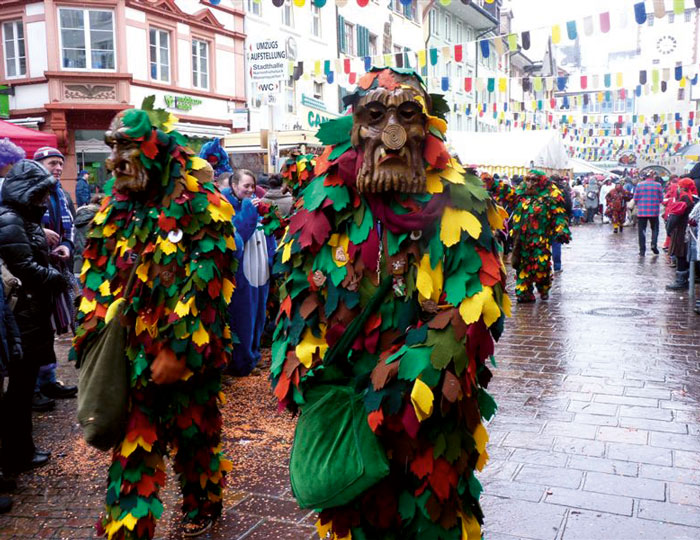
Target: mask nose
(394,135)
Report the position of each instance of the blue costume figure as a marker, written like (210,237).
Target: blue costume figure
(216,156)
(247,308)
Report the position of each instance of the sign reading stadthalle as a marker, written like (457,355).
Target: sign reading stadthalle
(267,60)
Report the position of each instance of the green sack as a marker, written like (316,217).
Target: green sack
(335,456)
(103,387)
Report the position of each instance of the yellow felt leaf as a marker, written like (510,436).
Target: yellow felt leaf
(507,305)
(422,400)
(429,280)
(197,163)
(231,243)
(433,183)
(201,336)
(100,217)
(183,308)
(452,175)
(321,529)
(122,245)
(482,460)
(496,221)
(142,271)
(309,345)
(87,306)
(166,246)
(287,251)
(105,289)
(437,123)
(339,241)
(454,221)
(169,124)
(109,229)
(191,183)
(224,212)
(227,289)
(471,530)
(491,310)
(456,165)
(481,437)
(84,268)
(128,446)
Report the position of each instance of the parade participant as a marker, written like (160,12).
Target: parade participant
(164,220)
(616,206)
(647,199)
(247,308)
(25,252)
(10,154)
(606,188)
(59,230)
(677,223)
(392,297)
(214,154)
(538,220)
(591,200)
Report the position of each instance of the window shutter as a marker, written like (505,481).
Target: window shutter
(341,33)
(362,41)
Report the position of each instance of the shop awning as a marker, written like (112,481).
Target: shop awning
(28,139)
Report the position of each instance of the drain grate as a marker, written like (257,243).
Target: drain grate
(616,312)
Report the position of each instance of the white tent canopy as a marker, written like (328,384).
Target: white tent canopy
(541,148)
(580,166)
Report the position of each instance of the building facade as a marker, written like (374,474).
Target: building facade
(71,65)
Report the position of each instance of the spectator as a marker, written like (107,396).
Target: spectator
(82,189)
(59,230)
(647,199)
(677,223)
(606,188)
(25,251)
(223,181)
(591,200)
(10,154)
(247,309)
(279,196)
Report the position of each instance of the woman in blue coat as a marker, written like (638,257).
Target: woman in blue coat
(247,309)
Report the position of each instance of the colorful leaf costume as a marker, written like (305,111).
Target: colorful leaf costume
(539,219)
(176,311)
(419,360)
(616,207)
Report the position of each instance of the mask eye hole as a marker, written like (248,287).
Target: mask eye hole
(376,112)
(409,111)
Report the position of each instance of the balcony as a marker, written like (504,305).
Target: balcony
(477,13)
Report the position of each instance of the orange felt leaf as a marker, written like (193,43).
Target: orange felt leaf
(386,80)
(375,419)
(282,386)
(443,478)
(373,323)
(367,79)
(422,466)
(333,180)
(286,306)
(100,311)
(435,152)
(490,272)
(322,163)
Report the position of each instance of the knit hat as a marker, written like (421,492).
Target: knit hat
(47,151)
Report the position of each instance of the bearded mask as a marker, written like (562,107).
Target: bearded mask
(124,162)
(390,127)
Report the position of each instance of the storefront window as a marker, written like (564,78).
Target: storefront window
(200,64)
(87,39)
(160,54)
(15,57)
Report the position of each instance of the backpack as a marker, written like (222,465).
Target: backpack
(10,284)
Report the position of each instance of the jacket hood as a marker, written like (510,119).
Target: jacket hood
(85,214)
(26,184)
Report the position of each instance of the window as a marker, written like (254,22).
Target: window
(315,21)
(349,30)
(373,51)
(410,10)
(15,56)
(318,90)
(619,105)
(458,33)
(446,27)
(87,38)
(460,78)
(688,16)
(200,64)
(160,54)
(255,7)
(290,94)
(434,26)
(288,14)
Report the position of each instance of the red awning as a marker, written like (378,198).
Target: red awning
(28,139)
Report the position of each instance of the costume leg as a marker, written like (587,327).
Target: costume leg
(523,286)
(135,477)
(198,460)
(544,281)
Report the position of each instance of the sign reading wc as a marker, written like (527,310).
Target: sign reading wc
(267,60)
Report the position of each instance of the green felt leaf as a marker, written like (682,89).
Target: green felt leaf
(487,405)
(360,228)
(206,244)
(279,352)
(413,362)
(431,376)
(339,150)
(436,249)
(454,446)
(335,131)
(339,195)
(141,509)
(393,242)
(417,336)
(440,445)
(475,487)
(93,280)
(456,288)
(445,347)
(407,506)
(314,194)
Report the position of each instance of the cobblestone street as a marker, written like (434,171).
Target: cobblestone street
(597,433)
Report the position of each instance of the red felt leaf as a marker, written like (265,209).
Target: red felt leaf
(386,80)
(149,147)
(333,180)
(375,419)
(423,464)
(315,231)
(286,306)
(410,421)
(443,478)
(282,386)
(214,288)
(435,152)
(490,272)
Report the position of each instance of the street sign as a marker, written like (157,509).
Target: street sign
(268,87)
(267,60)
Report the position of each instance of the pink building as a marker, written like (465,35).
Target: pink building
(72,65)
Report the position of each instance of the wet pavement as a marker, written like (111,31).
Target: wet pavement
(597,434)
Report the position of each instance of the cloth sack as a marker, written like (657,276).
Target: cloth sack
(103,381)
(335,455)
(11,285)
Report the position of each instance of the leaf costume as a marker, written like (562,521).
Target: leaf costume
(539,219)
(429,262)
(616,206)
(181,226)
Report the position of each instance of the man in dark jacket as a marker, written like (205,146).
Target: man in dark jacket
(25,251)
(82,189)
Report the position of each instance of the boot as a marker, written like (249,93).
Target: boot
(680,283)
